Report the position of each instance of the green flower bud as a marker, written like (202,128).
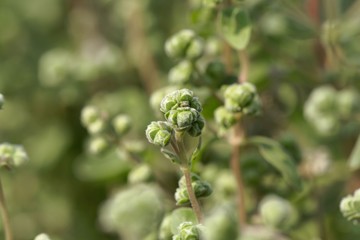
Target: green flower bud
(254,108)
(224,118)
(215,71)
(1,101)
(197,127)
(182,73)
(187,231)
(277,212)
(141,173)
(121,124)
(184,44)
(12,155)
(178,99)
(348,102)
(350,207)
(201,189)
(89,114)
(183,118)
(158,95)
(42,236)
(159,133)
(321,102)
(97,145)
(239,96)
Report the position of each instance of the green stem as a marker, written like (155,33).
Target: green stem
(5,215)
(185,168)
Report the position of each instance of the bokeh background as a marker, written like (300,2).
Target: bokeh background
(56,56)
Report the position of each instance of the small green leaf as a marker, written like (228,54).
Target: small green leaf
(273,153)
(181,215)
(197,152)
(354,160)
(235,27)
(170,155)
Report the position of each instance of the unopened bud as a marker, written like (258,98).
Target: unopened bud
(182,73)
(121,124)
(159,133)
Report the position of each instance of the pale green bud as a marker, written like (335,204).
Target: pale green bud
(187,231)
(157,96)
(42,236)
(1,101)
(184,44)
(96,127)
(182,73)
(121,124)
(277,212)
(183,118)
(350,207)
(239,96)
(89,114)
(97,145)
(12,155)
(322,101)
(159,133)
(180,98)
(224,118)
(254,108)
(141,173)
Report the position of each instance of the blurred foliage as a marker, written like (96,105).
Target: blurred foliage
(58,56)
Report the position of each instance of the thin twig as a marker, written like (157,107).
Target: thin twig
(5,215)
(244,62)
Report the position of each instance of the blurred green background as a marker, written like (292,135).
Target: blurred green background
(56,56)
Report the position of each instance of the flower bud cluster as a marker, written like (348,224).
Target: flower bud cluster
(184,45)
(187,231)
(350,207)
(326,108)
(182,110)
(99,125)
(12,155)
(277,212)
(201,189)
(242,98)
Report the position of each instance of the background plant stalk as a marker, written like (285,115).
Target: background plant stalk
(5,215)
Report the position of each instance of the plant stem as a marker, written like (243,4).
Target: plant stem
(244,62)
(194,202)
(236,169)
(5,215)
(185,168)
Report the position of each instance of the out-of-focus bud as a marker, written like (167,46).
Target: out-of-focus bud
(97,145)
(92,120)
(348,102)
(184,44)
(121,124)
(277,212)
(1,101)
(158,95)
(350,207)
(239,96)
(254,108)
(216,72)
(12,155)
(141,173)
(187,231)
(322,101)
(159,133)
(165,228)
(317,162)
(182,73)
(42,236)
(55,67)
(211,3)
(224,118)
